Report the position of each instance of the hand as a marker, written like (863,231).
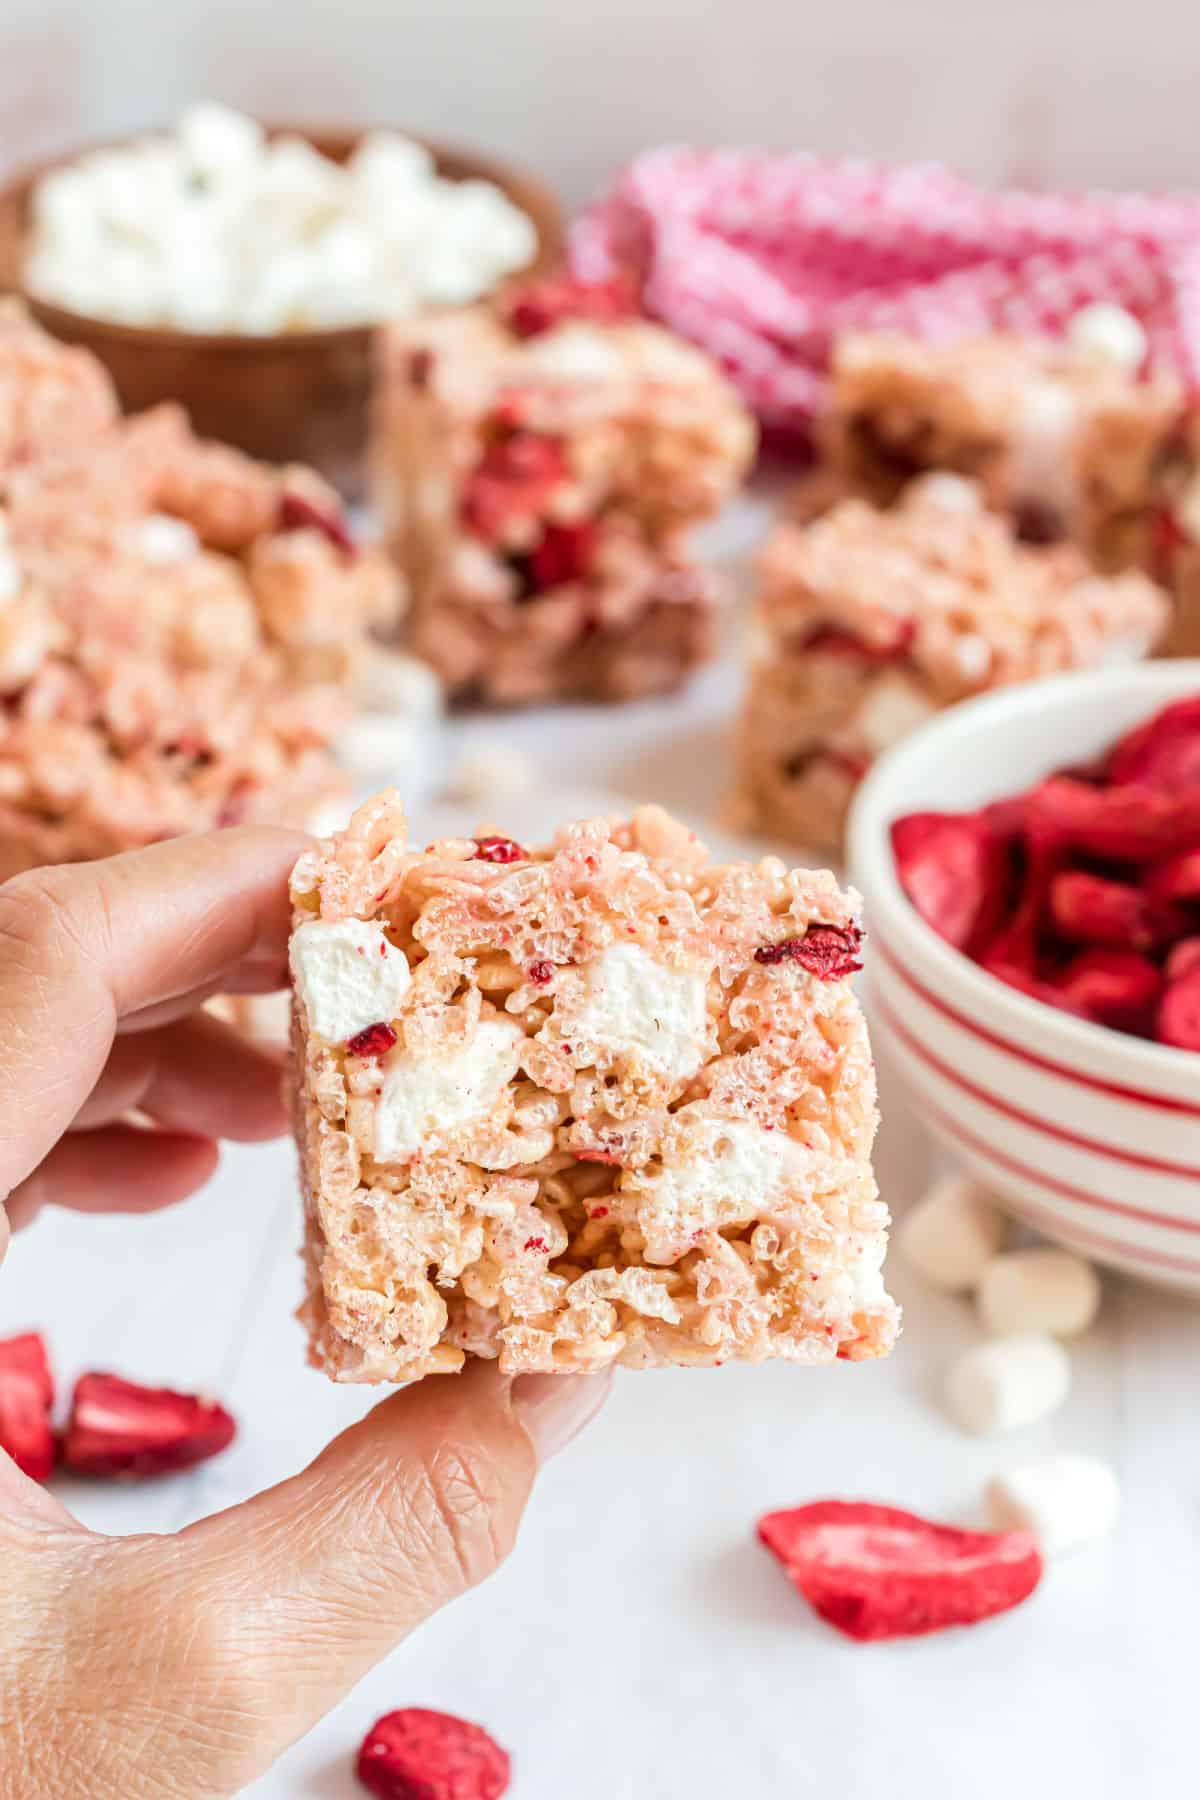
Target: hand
(182,1666)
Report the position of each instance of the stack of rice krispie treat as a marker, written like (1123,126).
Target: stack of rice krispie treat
(1067,437)
(536,467)
(179,630)
(606,1101)
(871,620)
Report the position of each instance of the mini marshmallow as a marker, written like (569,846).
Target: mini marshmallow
(377,748)
(388,681)
(1065,1501)
(492,772)
(1039,1290)
(348,975)
(1107,334)
(952,1234)
(1007,1383)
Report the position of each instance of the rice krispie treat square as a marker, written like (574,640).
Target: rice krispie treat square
(870,621)
(602,1102)
(1070,443)
(535,470)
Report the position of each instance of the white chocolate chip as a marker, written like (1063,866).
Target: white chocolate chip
(1065,1501)
(1039,1290)
(1107,336)
(1007,1383)
(348,974)
(952,1234)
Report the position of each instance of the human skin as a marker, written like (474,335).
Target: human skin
(179,1667)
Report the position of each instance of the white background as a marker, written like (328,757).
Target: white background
(1073,90)
(640,1645)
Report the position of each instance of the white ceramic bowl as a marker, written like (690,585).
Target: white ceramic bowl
(1090,1135)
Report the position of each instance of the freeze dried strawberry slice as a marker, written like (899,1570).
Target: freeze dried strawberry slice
(1090,909)
(26,1396)
(564,554)
(826,951)
(298,513)
(512,480)
(539,306)
(878,1572)
(419,1754)
(499,850)
(1176,879)
(1129,824)
(954,869)
(119,1428)
(1183,957)
(1178,1018)
(1164,753)
(372,1040)
(1110,987)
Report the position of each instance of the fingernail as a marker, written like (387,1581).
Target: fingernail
(554,1408)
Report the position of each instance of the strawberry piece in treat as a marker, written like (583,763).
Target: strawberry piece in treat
(512,481)
(26,1396)
(1163,753)
(564,554)
(954,869)
(878,1572)
(372,1040)
(827,951)
(1178,1018)
(541,305)
(419,1754)
(832,640)
(298,513)
(1091,909)
(119,1428)
(1110,987)
(499,850)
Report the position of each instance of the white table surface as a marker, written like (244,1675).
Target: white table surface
(639,1645)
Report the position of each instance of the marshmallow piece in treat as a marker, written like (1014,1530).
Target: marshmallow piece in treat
(1007,1383)
(1106,334)
(952,1234)
(1039,1290)
(1065,1501)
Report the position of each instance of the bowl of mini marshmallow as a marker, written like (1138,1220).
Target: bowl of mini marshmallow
(241,269)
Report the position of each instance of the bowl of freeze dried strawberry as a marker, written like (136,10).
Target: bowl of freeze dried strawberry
(1030,864)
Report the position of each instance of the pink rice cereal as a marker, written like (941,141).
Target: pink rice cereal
(52,397)
(535,491)
(1071,448)
(624,1120)
(871,621)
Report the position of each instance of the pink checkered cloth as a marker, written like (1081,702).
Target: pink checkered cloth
(764,259)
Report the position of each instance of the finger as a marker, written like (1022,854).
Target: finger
(119,1168)
(83,947)
(313,1582)
(197,1076)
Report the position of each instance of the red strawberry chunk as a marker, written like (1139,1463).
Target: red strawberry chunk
(419,1754)
(1090,909)
(1184,956)
(499,850)
(826,951)
(564,554)
(1132,824)
(372,1040)
(298,513)
(953,867)
(878,1572)
(1176,879)
(541,305)
(831,640)
(26,1396)
(513,480)
(1178,1019)
(1164,753)
(119,1428)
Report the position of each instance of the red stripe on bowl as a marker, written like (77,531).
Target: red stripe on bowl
(1163,1102)
(1093,1146)
(1053,1220)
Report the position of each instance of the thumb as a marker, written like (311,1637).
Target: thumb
(315,1580)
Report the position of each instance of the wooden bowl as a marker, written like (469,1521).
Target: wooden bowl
(298,396)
